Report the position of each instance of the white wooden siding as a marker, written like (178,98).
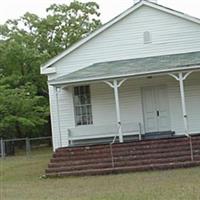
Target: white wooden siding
(66,110)
(124,40)
(54,118)
(103,106)
(62,114)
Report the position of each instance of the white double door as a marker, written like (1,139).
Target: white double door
(156,109)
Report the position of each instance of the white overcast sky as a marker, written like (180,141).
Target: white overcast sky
(11,9)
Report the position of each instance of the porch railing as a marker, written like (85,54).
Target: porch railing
(191,146)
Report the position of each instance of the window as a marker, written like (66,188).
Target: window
(82,105)
(147,37)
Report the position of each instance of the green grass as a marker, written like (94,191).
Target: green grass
(20,180)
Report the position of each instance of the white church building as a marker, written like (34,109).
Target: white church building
(137,75)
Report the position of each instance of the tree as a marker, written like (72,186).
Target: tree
(68,24)
(25,44)
(22,111)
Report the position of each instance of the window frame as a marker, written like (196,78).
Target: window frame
(83,90)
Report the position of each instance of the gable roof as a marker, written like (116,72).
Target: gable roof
(115,20)
(132,67)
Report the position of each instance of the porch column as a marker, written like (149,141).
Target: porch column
(115,85)
(181,77)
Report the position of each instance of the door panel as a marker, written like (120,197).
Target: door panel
(151,124)
(156,109)
(163,108)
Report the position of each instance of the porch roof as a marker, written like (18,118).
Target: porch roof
(132,67)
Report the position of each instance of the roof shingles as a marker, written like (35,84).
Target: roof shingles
(131,67)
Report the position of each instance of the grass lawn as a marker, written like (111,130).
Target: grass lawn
(20,180)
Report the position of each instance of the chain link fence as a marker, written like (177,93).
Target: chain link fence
(24,146)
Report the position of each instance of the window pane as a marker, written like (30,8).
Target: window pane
(81,90)
(87,97)
(89,111)
(83,110)
(90,120)
(83,99)
(76,91)
(77,100)
(78,110)
(78,120)
(87,90)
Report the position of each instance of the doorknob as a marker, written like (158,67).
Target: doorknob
(158,113)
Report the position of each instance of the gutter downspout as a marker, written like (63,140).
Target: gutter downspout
(57,90)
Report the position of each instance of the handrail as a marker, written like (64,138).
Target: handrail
(114,139)
(140,131)
(111,149)
(191,149)
(191,146)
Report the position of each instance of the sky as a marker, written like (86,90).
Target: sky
(12,9)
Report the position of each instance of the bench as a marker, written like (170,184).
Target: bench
(104,131)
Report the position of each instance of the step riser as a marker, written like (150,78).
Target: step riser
(130,149)
(128,156)
(125,169)
(196,144)
(107,160)
(136,143)
(139,144)
(121,164)
(122,160)
(123,153)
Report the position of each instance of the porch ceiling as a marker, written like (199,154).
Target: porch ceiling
(132,67)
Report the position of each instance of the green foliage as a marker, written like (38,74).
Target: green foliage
(25,44)
(22,111)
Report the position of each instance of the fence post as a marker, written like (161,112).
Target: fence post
(2,149)
(28,147)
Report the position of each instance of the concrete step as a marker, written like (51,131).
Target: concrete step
(125,169)
(100,146)
(127,155)
(147,148)
(115,147)
(147,141)
(124,152)
(121,163)
(120,158)
(135,156)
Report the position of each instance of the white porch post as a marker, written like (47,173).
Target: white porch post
(115,85)
(185,118)
(181,77)
(116,93)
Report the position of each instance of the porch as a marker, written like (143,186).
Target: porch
(122,100)
(135,111)
(161,98)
